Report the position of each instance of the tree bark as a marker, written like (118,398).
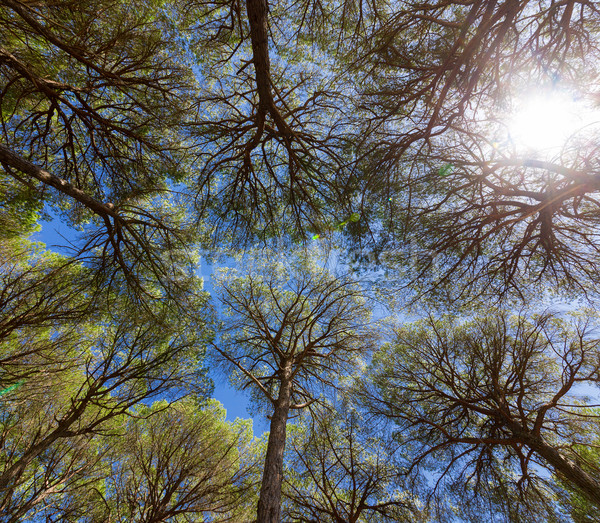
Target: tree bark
(15,161)
(269,503)
(572,472)
(258,11)
(588,486)
(257,16)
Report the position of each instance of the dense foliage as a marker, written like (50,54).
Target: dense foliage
(344,161)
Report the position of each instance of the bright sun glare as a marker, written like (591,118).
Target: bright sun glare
(545,122)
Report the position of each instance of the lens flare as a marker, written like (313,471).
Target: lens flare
(545,122)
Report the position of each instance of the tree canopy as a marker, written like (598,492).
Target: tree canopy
(491,399)
(288,331)
(340,470)
(342,160)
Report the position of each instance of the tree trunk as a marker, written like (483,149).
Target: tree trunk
(257,16)
(569,470)
(572,472)
(15,161)
(269,503)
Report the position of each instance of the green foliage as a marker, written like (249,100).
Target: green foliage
(339,469)
(159,130)
(480,402)
(75,361)
(20,210)
(176,461)
(289,311)
(578,506)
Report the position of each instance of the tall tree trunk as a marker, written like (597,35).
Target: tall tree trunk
(258,11)
(257,16)
(573,473)
(269,503)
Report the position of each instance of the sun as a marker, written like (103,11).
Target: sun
(545,122)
